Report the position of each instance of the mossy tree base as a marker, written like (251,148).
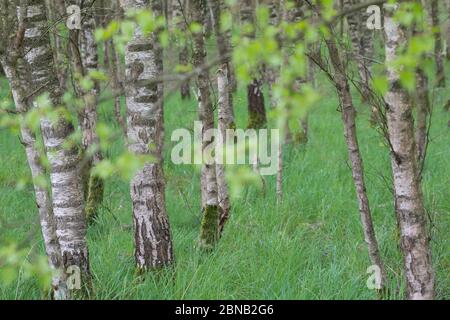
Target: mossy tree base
(94,197)
(209,232)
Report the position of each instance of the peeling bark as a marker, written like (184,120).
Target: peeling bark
(144,62)
(409,206)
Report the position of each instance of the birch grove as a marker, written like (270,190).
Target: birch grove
(149,118)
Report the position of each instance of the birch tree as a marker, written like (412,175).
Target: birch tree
(16,71)
(144,99)
(225,103)
(225,122)
(209,232)
(362,42)
(67,188)
(408,198)
(84,60)
(349,120)
(180,16)
(223,41)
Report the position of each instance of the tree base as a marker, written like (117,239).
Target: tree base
(94,198)
(209,232)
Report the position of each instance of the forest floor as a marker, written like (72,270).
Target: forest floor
(309,247)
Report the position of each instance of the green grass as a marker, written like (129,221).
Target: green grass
(310,247)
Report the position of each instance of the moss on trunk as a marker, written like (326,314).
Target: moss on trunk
(209,232)
(94,197)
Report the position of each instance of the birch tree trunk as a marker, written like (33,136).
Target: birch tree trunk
(180,16)
(115,70)
(144,62)
(209,232)
(362,42)
(226,82)
(17,74)
(84,59)
(67,189)
(349,120)
(295,15)
(225,121)
(408,200)
(56,11)
(276,11)
(43,200)
(223,40)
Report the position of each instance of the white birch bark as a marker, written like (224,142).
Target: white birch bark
(223,40)
(43,200)
(84,59)
(209,232)
(408,200)
(144,62)
(67,189)
(225,121)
